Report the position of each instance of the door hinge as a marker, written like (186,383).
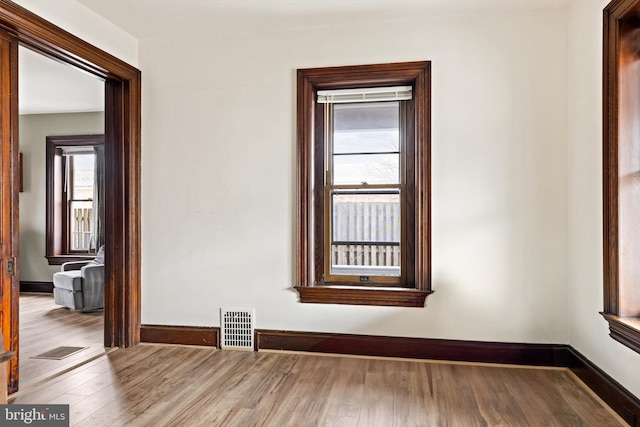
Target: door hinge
(10,267)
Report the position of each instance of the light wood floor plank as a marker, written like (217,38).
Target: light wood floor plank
(493,398)
(45,326)
(160,385)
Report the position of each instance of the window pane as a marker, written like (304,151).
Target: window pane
(366,141)
(83,165)
(370,127)
(365,233)
(81,223)
(366,168)
(81,205)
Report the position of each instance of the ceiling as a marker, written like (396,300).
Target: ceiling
(145,19)
(46,86)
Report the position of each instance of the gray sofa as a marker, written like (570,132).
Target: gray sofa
(80,284)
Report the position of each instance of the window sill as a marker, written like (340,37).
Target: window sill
(356,295)
(61,259)
(625,330)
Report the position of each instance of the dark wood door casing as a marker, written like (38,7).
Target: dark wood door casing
(122,161)
(9,187)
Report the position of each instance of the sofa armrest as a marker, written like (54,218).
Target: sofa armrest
(93,286)
(93,272)
(73,265)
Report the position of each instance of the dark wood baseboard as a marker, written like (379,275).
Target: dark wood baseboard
(186,335)
(615,395)
(36,287)
(414,348)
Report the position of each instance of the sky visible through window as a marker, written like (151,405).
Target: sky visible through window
(83,165)
(366,143)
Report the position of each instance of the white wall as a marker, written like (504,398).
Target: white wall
(34,128)
(588,330)
(219,174)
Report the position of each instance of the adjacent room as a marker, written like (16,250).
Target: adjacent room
(61,112)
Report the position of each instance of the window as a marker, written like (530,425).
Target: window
(364,184)
(363,187)
(621,172)
(75,178)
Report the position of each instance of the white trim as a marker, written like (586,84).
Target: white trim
(372,94)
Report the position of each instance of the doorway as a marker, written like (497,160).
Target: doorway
(122,165)
(57,104)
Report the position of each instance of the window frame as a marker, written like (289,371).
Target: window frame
(57,209)
(310,163)
(621,116)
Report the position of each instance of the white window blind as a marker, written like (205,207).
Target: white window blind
(373,94)
(75,150)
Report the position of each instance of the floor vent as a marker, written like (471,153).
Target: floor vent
(59,353)
(236,328)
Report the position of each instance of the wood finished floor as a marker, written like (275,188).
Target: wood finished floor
(45,326)
(158,385)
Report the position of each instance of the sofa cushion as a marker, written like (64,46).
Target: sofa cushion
(70,280)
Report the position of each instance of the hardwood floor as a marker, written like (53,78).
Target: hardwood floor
(45,326)
(162,385)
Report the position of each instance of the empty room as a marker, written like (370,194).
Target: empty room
(357,212)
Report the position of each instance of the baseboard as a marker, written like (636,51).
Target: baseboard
(186,335)
(414,348)
(613,393)
(36,287)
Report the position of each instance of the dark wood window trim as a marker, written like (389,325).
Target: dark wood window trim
(56,222)
(624,330)
(621,176)
(309,258)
